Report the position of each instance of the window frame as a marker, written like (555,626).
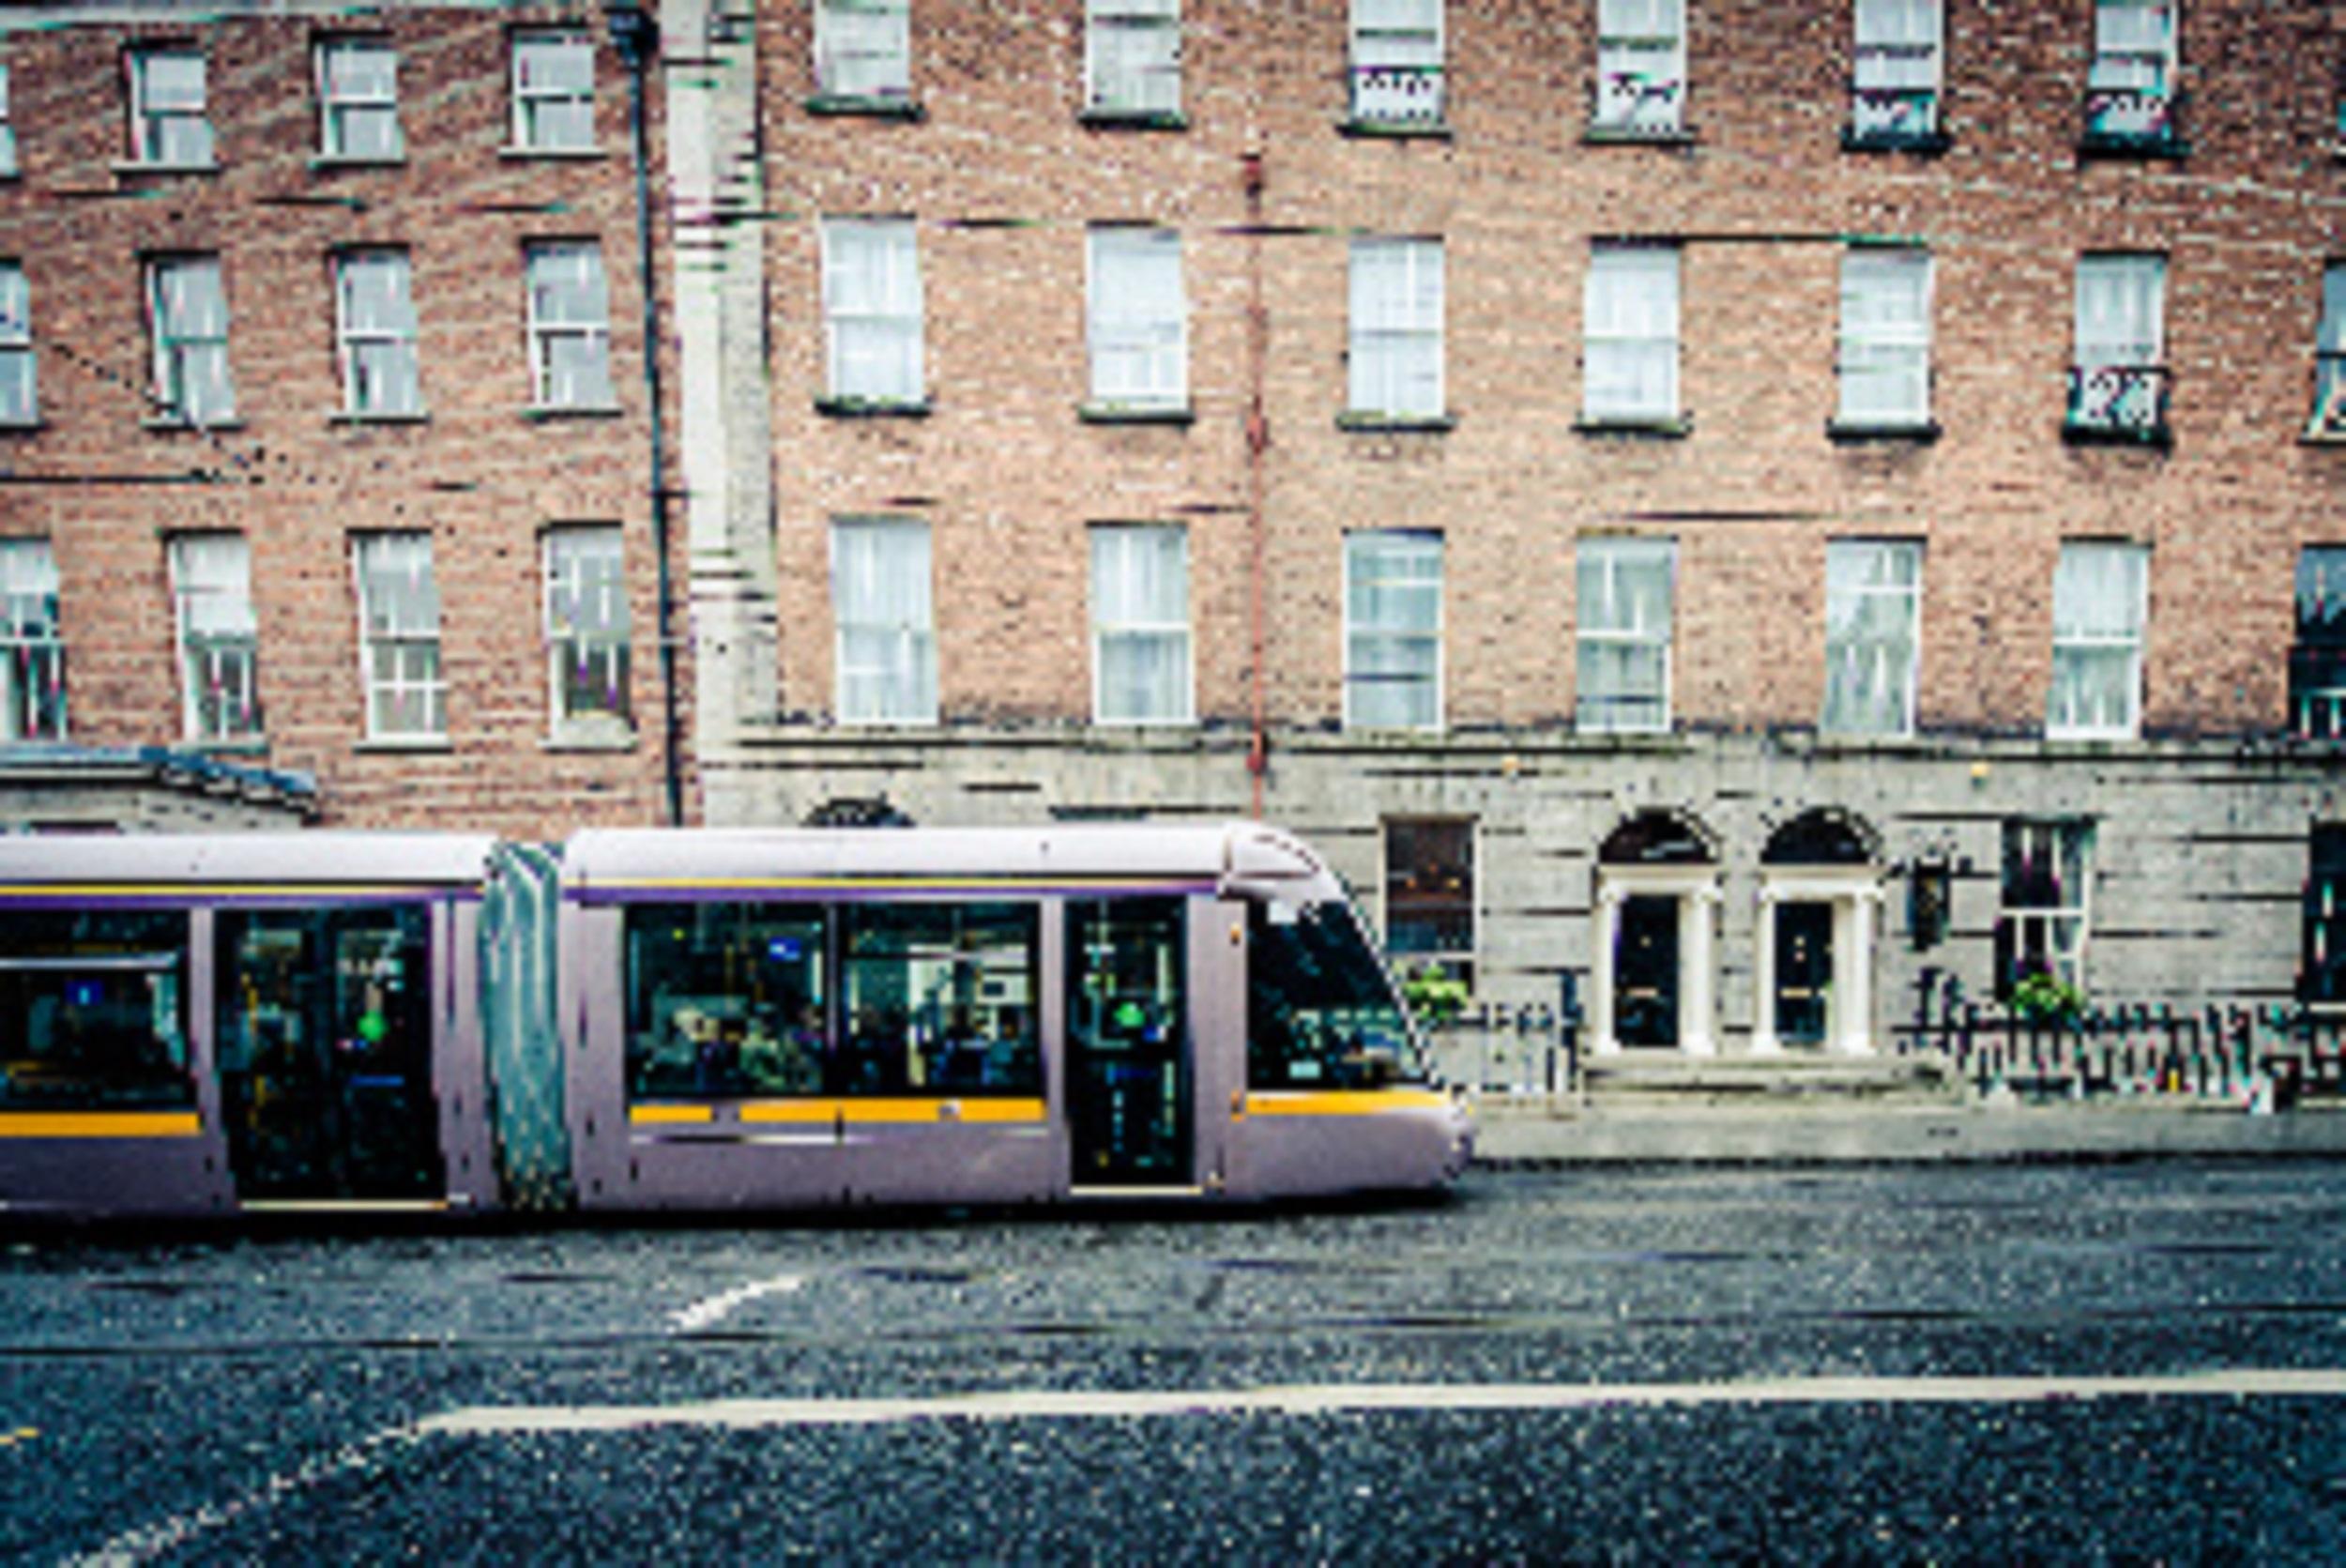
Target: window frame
(559,574)
(1136,19)
(2098,642)
(216,652)
(1618,261)
(1463,966)
(10,168)
(1619,550)
(1930,135)
(542,334)
(1392,332)
(524,98)
(889,97)
(145,122)
(1377,52)
(1106,337)
(1105,631)
(16,345)
(2317,651)
(1612,43)
(2129,371)
(918,642)
(433,685)
(169,347)
(911,310)
(1865,334)
(1392,544)
(2161,136)
(23,650)
(1912,552)
(2328,419)
(331,140)
(2069,965)
(349,339)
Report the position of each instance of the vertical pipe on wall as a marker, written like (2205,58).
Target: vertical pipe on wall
(1258,442)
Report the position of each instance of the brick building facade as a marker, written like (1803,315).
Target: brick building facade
(1733,505)
(328,449)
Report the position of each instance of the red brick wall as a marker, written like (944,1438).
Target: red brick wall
(481,478)
(1008,477)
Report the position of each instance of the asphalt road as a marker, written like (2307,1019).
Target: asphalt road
(1889,1363)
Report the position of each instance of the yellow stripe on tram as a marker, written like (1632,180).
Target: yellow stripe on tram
(653,1116)
(1344,1102)
(941,1108)
(98,1124)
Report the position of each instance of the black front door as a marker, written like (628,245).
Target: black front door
(1128,1042)
(1804,971)
(325,1031)
(1645,972)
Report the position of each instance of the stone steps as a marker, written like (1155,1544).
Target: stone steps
(1630,1079)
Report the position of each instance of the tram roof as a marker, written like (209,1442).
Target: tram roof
(1237,857)
(293,859)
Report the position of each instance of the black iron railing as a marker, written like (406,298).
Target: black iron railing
(2133,120)
(2121,402)
(1894,120)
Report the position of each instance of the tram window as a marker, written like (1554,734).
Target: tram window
(1320,1011)
(938,997)
(93,1009)
(726,1000)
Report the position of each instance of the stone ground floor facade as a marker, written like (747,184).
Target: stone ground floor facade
(1705,895)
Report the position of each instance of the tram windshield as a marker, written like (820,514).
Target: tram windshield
(1321,1010)
(93,1009)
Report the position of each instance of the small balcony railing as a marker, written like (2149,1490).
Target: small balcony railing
(2119,403)
(1637,104)
(1894,120)
(2138,120)
(1402,96)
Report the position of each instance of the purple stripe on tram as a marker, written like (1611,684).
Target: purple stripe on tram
(832,894)
(197,898)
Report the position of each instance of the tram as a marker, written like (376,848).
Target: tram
(697,1021)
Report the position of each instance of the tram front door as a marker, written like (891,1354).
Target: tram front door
(325,1048)
(1128,1046)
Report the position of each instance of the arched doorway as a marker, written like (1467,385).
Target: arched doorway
(1656,918)
(1819,903)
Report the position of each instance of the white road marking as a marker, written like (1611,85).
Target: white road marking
(1353,1398)
(701,1315)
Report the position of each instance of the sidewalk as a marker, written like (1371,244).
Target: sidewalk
(1529,1135)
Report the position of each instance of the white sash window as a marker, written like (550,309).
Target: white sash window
(1897,66)
(2100,601)
(1139,328)
(570,327)
(211,583)
(871,306)
(7,129)
(1885,336)
(1392,630)
(32,648)
(554,92)
(1397,61)
(1631,333)
(585,625)
(1396,327)
(1641,66)
(359,101)
(168,124)
(20,396)
(399,637)
(189,311)
(880,595)
(1872,615)
(1622,646)
(2121,343)
(1140,638)
(376,321)
(1132,56)
(863,48)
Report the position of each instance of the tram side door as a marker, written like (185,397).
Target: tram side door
(325,1031)
(1128,1042)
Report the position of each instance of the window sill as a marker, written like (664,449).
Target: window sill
(348,418)
(2125,150)
(22,427)
(832,105)
(228,748)
(1136,414)
(132,168)
(2320,435)
(872,408)
(1672,427)
(1619,135)
(1133,119)
(393,744)
(2091,738)
(165,425)
(1393,130)
(331,163)
(1358,422)
(1933,144)
(1850,432)
(553,155)
(589,740)
(546,413)
(2157,437)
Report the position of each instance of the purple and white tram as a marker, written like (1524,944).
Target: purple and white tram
(697,1022)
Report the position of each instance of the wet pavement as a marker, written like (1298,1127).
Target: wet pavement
(1888,1362)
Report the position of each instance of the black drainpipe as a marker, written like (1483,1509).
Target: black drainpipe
(636,36)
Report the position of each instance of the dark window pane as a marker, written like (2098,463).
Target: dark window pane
(1320,1013)
(93,1009)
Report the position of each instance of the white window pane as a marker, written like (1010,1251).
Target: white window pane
(20,402)
(366,132)
(365,72)
(171,83)
(384,379)
(578,371)
(15,305)
(558,123)
(375,293)
(193,302)
(553,64)
(2332,338)
(2119,309)
(2098,591)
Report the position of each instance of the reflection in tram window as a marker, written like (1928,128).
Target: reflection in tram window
(92,1009)
(725,999)
(938,997)
(1127,1039)
(326,1052)
(1320,1011)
